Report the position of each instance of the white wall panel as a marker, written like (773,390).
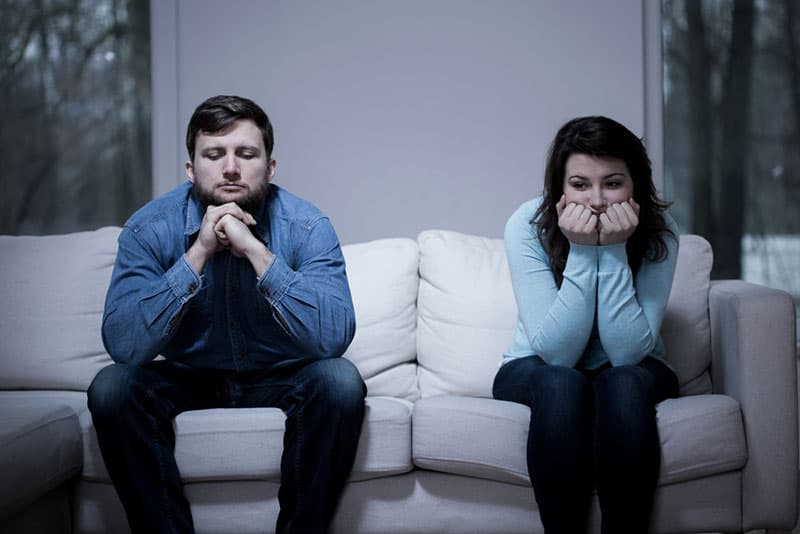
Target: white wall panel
(395,117)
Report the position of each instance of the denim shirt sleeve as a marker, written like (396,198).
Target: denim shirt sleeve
(145,301)
(310,299)
(630,312)
(557,322)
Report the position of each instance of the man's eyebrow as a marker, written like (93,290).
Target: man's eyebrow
(238,147)
(208,148)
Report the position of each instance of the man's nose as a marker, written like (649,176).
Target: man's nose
(230,167)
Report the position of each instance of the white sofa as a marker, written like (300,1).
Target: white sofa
(437,454)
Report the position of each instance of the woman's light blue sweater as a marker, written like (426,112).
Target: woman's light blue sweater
(601,312)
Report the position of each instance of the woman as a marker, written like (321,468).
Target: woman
(592,262)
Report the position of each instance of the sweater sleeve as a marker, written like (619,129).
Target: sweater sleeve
(630,312)
(557,322)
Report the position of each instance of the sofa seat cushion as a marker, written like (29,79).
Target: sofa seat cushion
(74,399)
(700,435)
(470,436)
(40,448)
(246,443)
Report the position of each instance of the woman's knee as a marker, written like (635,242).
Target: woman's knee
(529,379)
(559,384)
(561,411)
(560,399)
(624,405)
(625,385)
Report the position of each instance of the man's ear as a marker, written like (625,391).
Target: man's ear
(271,168)
(189,170)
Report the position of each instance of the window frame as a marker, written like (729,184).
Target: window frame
(168,154)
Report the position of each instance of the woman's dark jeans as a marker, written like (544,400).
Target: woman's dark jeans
(133,409)
(591,429)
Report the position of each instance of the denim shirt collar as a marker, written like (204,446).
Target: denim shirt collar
(195,211)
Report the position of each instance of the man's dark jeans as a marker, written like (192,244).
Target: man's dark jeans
(133,409)
(590,429)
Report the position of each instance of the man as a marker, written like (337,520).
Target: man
(241,286)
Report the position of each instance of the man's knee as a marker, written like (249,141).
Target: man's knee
(110,390)
(337,383)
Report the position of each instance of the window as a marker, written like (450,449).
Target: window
(731,132)
(75,101)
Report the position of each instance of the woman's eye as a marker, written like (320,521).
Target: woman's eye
(579,186)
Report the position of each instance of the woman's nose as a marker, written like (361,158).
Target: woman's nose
(596,199)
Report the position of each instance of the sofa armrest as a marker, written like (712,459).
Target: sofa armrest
(753,360)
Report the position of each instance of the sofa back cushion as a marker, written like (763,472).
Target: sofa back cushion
(384,284)
(53,290)
(467,314)
(686,328)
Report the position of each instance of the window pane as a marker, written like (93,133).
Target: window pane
(75,102)
(731,132)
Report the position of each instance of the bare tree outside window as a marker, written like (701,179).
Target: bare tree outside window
(75,103)
(732,131)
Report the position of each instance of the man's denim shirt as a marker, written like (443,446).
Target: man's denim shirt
(228,318)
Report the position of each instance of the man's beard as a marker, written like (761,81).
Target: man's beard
(251,203)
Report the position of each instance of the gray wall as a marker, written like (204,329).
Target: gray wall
(398,116)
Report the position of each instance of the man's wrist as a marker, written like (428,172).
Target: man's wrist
(197,256)
(259,257)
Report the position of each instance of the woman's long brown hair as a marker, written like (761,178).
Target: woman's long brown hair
(602,137)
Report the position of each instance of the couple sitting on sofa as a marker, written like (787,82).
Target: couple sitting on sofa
(242,288)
